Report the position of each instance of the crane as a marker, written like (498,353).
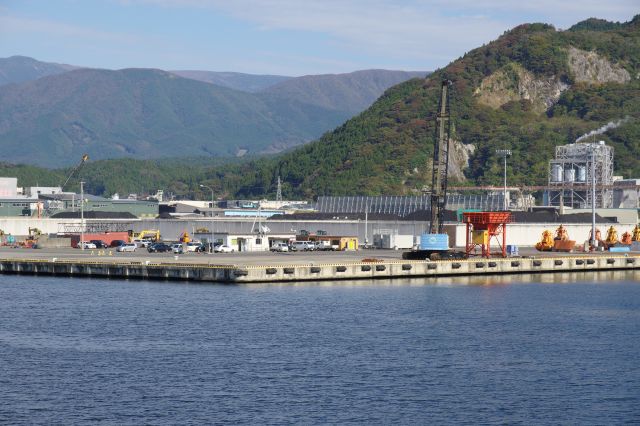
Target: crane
(75,171)
(435,244)
(440,161)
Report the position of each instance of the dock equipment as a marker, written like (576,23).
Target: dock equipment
(434,245)
(482,227)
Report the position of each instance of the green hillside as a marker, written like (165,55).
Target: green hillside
(530,90)
(145,113)
(575,81)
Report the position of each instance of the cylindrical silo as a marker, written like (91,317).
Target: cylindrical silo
(582,174)
(556,173)
(569,175)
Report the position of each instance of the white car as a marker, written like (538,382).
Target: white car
(177,248)
(127,247)
(280,247)
(86,245)
(193,246)
(142,243)
(223,249)
(303,246)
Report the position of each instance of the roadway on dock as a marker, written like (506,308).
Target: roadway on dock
(243,258)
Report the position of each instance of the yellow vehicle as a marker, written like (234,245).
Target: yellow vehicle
(546,243)
(153,234)
(636,233)
(612,236)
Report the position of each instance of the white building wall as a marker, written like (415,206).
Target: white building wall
(528,234)
(20,226)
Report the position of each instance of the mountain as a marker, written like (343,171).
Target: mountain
(349,92)
(146,113)
(18,69)
(530,90)
(234,80)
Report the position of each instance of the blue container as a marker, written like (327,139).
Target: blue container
(619,249)
(434,242)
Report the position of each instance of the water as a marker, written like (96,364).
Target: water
(524,350)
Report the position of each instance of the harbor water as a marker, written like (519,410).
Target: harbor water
(530,349)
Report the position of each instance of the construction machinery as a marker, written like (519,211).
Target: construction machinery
(561,242)
(75,171)
(546,241)
(435,244)
(152,234)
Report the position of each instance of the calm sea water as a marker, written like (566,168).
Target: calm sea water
(524,350)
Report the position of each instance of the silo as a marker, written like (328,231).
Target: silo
(582,174)
(569,175)
(556,173)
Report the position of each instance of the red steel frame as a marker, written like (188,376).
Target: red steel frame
(495,223)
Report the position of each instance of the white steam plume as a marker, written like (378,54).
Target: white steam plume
(610,125)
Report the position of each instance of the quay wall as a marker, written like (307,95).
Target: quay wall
(317,272)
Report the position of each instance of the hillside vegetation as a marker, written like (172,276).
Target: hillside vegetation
(557,86)
(530,90)
(145,113)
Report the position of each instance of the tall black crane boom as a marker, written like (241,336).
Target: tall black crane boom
(440,161)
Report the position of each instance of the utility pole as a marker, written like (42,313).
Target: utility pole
(212,235)
(504,153)
(81,215)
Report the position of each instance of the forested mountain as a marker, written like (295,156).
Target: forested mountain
(146,113)
(235,80)
(349,92)
(530,90)
(18,69)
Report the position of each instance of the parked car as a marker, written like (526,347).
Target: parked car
(86,245)
(177,248)
(142,243)
(194,246)
(117,243)
(323,245)
(127,247)
(302,246)
(280,247)
(99,244)
(223,249)
(159,248)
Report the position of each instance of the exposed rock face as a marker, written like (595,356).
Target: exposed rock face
(514,83)
(459,155)
(589,67)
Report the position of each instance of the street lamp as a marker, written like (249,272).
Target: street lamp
(82,215)
(504,153)
(211,189)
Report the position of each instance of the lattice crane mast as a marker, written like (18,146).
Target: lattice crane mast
(440,161)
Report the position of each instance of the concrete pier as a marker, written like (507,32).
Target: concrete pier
(282,272)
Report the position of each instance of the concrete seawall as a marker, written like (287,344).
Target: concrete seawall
(232,273)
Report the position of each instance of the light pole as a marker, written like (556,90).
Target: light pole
(81,215)
(211,189)
(593,196)
(504,153)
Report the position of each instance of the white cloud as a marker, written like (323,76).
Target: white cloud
(15,24)
(437,30)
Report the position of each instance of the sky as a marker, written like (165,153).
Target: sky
(285,37)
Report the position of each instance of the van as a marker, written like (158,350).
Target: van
(280,247)
(303,246)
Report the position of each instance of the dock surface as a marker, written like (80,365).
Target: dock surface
(287,267)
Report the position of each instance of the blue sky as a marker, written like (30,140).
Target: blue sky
(289,37)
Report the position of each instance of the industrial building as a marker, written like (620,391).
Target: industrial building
(575,170)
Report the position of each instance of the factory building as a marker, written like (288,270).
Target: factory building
(573,172)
